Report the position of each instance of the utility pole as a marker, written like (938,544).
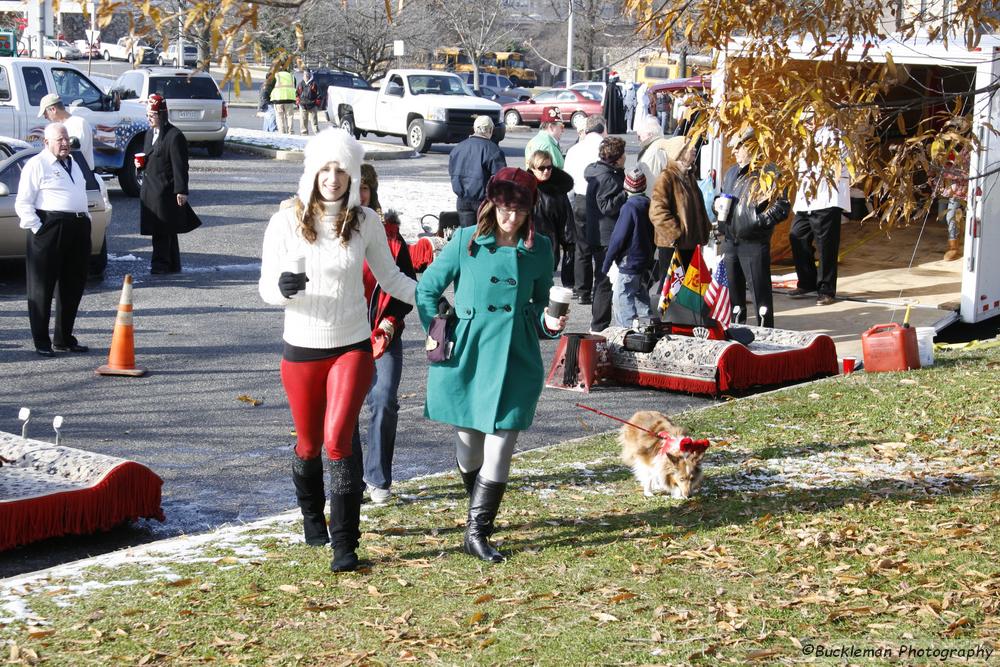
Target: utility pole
(569,47)
(180,41)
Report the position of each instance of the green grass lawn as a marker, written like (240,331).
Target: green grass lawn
(858,514)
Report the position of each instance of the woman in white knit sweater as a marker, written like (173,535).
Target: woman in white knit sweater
(314,249)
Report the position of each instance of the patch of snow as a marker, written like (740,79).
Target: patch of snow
(122,258)
(843,468)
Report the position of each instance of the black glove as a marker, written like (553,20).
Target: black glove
(291,283)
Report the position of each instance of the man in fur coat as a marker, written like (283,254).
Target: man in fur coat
(677,210)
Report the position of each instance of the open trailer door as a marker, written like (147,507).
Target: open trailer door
(981,278)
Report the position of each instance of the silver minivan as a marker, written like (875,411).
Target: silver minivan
(194,103)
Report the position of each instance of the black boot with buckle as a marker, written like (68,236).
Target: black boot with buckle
(307,475)
(484,503)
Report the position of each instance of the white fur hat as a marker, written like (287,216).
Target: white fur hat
(332,145)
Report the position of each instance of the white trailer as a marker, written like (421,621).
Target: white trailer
(980,297)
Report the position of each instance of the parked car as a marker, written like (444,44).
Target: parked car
(194,103)
(499,83)
(422,106)
(10,145)
(130,49)
(594,88)
(493,95)
(12,245)
(118,132)
(59,49)
(169,56)
(88,50)
(331,77)
(574,105)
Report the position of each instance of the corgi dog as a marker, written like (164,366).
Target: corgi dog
(667,462)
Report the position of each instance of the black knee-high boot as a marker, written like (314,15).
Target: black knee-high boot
(308,479)
(484,502)
(468,479)
(346,492)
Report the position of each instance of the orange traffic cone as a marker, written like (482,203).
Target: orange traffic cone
(121,359)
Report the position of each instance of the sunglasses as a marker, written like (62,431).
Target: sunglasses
(547,167)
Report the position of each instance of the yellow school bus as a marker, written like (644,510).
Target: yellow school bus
(488,63)
(666,67)
(512,65)
(451,59)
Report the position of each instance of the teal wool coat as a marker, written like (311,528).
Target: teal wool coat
(495,375)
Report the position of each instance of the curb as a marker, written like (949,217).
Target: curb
(297,156)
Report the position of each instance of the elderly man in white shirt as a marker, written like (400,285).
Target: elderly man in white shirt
(578,158)
(52,205)
(817,219)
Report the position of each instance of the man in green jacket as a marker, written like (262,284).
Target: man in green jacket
(283,99)
(549,132)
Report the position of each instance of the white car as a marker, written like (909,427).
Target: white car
(169,57)
(59,49)
(194,103)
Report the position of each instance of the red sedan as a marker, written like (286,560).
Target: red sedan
(574,105)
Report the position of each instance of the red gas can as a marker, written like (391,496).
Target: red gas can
(890,347)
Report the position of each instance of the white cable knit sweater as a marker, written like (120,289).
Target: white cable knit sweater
(331,312)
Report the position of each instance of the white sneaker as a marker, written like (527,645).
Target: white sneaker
(379,496)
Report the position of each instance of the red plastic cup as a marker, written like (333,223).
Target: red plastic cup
(849,365)
(140,160)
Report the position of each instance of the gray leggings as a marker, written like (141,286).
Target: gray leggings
(490,452)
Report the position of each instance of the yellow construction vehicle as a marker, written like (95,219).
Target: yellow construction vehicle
(512,65)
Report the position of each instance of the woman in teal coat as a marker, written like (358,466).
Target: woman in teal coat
(502,272)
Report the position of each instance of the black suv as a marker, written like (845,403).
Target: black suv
(331,77)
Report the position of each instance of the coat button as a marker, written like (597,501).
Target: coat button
(494,280)
(511,281)
(491,308)
(507,308)
(492,250)
(468,311)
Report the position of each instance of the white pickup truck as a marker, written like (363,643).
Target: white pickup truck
(422,106)
(132,49)
(118,135)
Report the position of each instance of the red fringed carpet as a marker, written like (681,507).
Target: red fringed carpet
(48,491)
(700,366)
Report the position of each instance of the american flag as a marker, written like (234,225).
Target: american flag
(717,296)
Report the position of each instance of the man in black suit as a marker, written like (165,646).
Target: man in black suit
(164,208)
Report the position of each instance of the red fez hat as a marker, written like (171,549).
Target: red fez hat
(157,103)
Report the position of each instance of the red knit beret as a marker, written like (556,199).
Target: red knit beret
(512,188)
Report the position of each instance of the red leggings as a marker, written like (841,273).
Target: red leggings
(326,398)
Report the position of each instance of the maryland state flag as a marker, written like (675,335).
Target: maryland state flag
(672,281)
(696,281)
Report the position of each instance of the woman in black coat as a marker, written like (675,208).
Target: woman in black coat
(164,208)
(553,215)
